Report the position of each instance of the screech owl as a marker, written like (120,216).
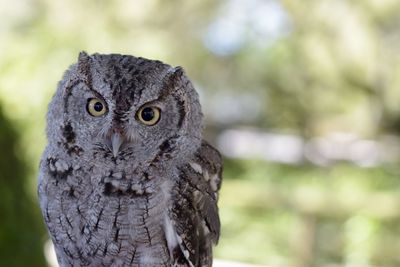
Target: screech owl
(126,178)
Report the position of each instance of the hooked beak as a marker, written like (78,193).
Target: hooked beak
(116,141)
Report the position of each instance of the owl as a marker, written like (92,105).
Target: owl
(126,178)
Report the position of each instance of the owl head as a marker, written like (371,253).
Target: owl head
(117,108)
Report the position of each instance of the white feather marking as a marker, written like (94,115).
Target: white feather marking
(61,166)
(146,258)
(117,175)
(173,239)
(206,176)
(186,253)
(179,239)
(214,182)
(196,167)
(205,227)
(170,234)
(115,183)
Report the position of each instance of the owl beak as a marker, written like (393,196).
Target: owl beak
(116,142)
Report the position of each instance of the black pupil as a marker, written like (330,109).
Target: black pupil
(147,114)
(98,106)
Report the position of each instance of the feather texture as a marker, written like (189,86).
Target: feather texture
(115,191)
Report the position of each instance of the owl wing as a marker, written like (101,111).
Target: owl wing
(194,211)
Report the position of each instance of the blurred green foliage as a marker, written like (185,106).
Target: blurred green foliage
(20,223)
(305,67)
(308,216)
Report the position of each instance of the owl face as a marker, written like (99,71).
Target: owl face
(126,108)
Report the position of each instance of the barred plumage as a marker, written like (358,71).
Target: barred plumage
(126,179)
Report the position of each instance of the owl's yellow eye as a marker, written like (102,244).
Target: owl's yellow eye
(149,115)
(96,107)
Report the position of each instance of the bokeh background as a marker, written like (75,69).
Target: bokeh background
(301,97)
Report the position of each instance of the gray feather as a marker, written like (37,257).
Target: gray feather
(115,191)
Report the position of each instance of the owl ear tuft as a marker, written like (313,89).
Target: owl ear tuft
(83,56)
(174,75)
(84,64)
(172,79)
(178,71)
